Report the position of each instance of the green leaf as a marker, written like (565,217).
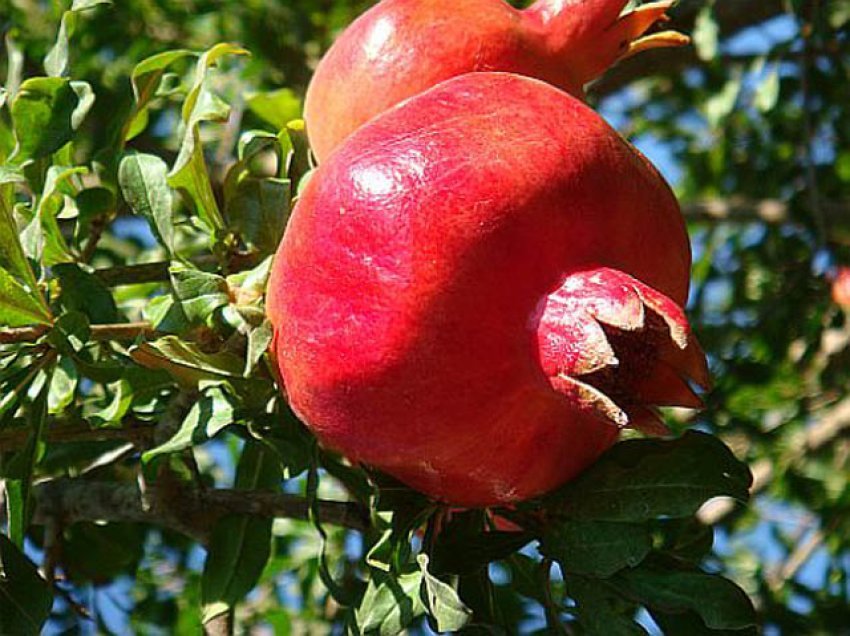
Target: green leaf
(259,340)
(277,107)
(146,78)
(599,611)
(185,362)
(14,66)
(44,114)
(211,413)
(56,61)
(390,603)
(189,173)
(84,292)
(240,545)
(442,601)
(595,548)
(118,406)
(97,553)
(20,469)
(63,386)
(143,181)
(70,333)
(200,293)
(25,598)
(12,257)
(463,546)
(19,306)
(720,603)
(642,479)
(42,239)
(259,211)
(165,314)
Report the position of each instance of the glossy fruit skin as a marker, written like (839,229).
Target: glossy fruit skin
(408,292)
(400,48)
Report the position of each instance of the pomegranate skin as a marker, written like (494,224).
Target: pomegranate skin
(400,48)
(415,297)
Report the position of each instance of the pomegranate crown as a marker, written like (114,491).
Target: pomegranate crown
(592,35)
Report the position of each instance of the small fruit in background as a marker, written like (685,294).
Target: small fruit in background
(841,287)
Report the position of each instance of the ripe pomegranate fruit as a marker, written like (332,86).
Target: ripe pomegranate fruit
(400,48)
(841,287)
(479,288)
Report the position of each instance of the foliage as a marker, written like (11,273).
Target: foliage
(147,168)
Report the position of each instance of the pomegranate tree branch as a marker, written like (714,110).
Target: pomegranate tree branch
(190,511)
(125,331)
(138,432)
(158,271)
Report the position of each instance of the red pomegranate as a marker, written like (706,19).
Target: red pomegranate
(400,48)
(841,287)
(480,288)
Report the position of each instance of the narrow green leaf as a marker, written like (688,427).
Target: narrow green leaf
(200,293)
(189,173)
(720,603)
(146,78)
(240,545)
(25,598)
(185,362)
(259,340)
(595,548)
(143,181)
(638,480)
(19,306)
(14,66)
(442,601)
(56,63)
(20,469)
(42,239)
(63,386)
(210,414)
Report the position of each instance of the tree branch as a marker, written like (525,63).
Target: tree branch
(187,510)
(138,432)
(158,271)
(119,331)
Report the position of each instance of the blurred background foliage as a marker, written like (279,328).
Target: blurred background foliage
(751,125)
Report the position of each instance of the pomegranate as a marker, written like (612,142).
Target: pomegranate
(480,288)
(841,287)
(400,48)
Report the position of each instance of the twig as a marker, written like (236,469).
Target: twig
(126,331)
(189,511)
(138,432)
(806,29)
(158,271)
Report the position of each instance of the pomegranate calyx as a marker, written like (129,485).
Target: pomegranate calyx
(618,349)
